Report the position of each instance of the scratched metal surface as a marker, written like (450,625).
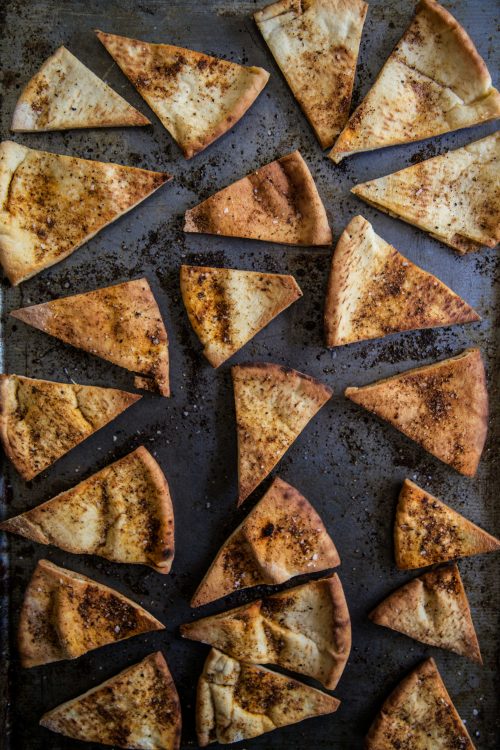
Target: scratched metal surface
(347,463)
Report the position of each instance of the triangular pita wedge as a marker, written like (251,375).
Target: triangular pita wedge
(120,323)
(316,45)
(419,715)
(373,291)
(433,609)
(197,97)
(65,94)
(426,531)
(281,537)
(227,307)
(51,204)
(137,708)
(306,629)
(277,203)
(443,407)
(66,614)
(237,701)
(434,81)
(454,196)
(273,405)
(122,513)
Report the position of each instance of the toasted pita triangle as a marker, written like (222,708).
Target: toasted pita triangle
(120,323)
(316,45)
(65,94)
(427,531)
(123,513)
(434,81)
(197,97)
(452,196)
(443,407)
(137,708)
(238,701)
(227,307)
(374,291)
(277,203)
(50,204)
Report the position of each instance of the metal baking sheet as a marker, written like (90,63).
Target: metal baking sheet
(347,463)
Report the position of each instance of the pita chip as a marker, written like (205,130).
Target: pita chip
(316,45)
(306,629)
(427,531)
(51,204)
(197,97)
(443,407)
(120,323)
(434,81)
(453,197)
(138,708)
(227,307)
(65,94)
(122,513)
(238,701)
(277,203)
(281,537)
(374,291)
(66,614)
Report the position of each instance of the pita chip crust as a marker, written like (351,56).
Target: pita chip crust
(427,531)
(227,307)
(453,197)
(316,45)
(238,701)
(65,94)
(374,291)
(138,708)
(51,204)
(419,715)
(434,81)
(277,203)
(121,323)
(122,513)
(443,407)
(197,97)
(281,537)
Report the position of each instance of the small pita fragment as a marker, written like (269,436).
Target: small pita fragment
(316,45)
(453,197)
(434,82)
(196,97)
(374,291)
(280,538)
(238,701)
(419,715)
(427,531)
(52,204)
(138,708)
(227,307)
(122,513)
(277,203)
(121,323)
(65,94)
(443,407)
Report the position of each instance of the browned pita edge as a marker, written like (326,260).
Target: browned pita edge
(65,614)
(280,538)
(398,725)
(449,424)
(379,296)
(114,322)
(146,713)
(154,526)
(427,531)
(264,205)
